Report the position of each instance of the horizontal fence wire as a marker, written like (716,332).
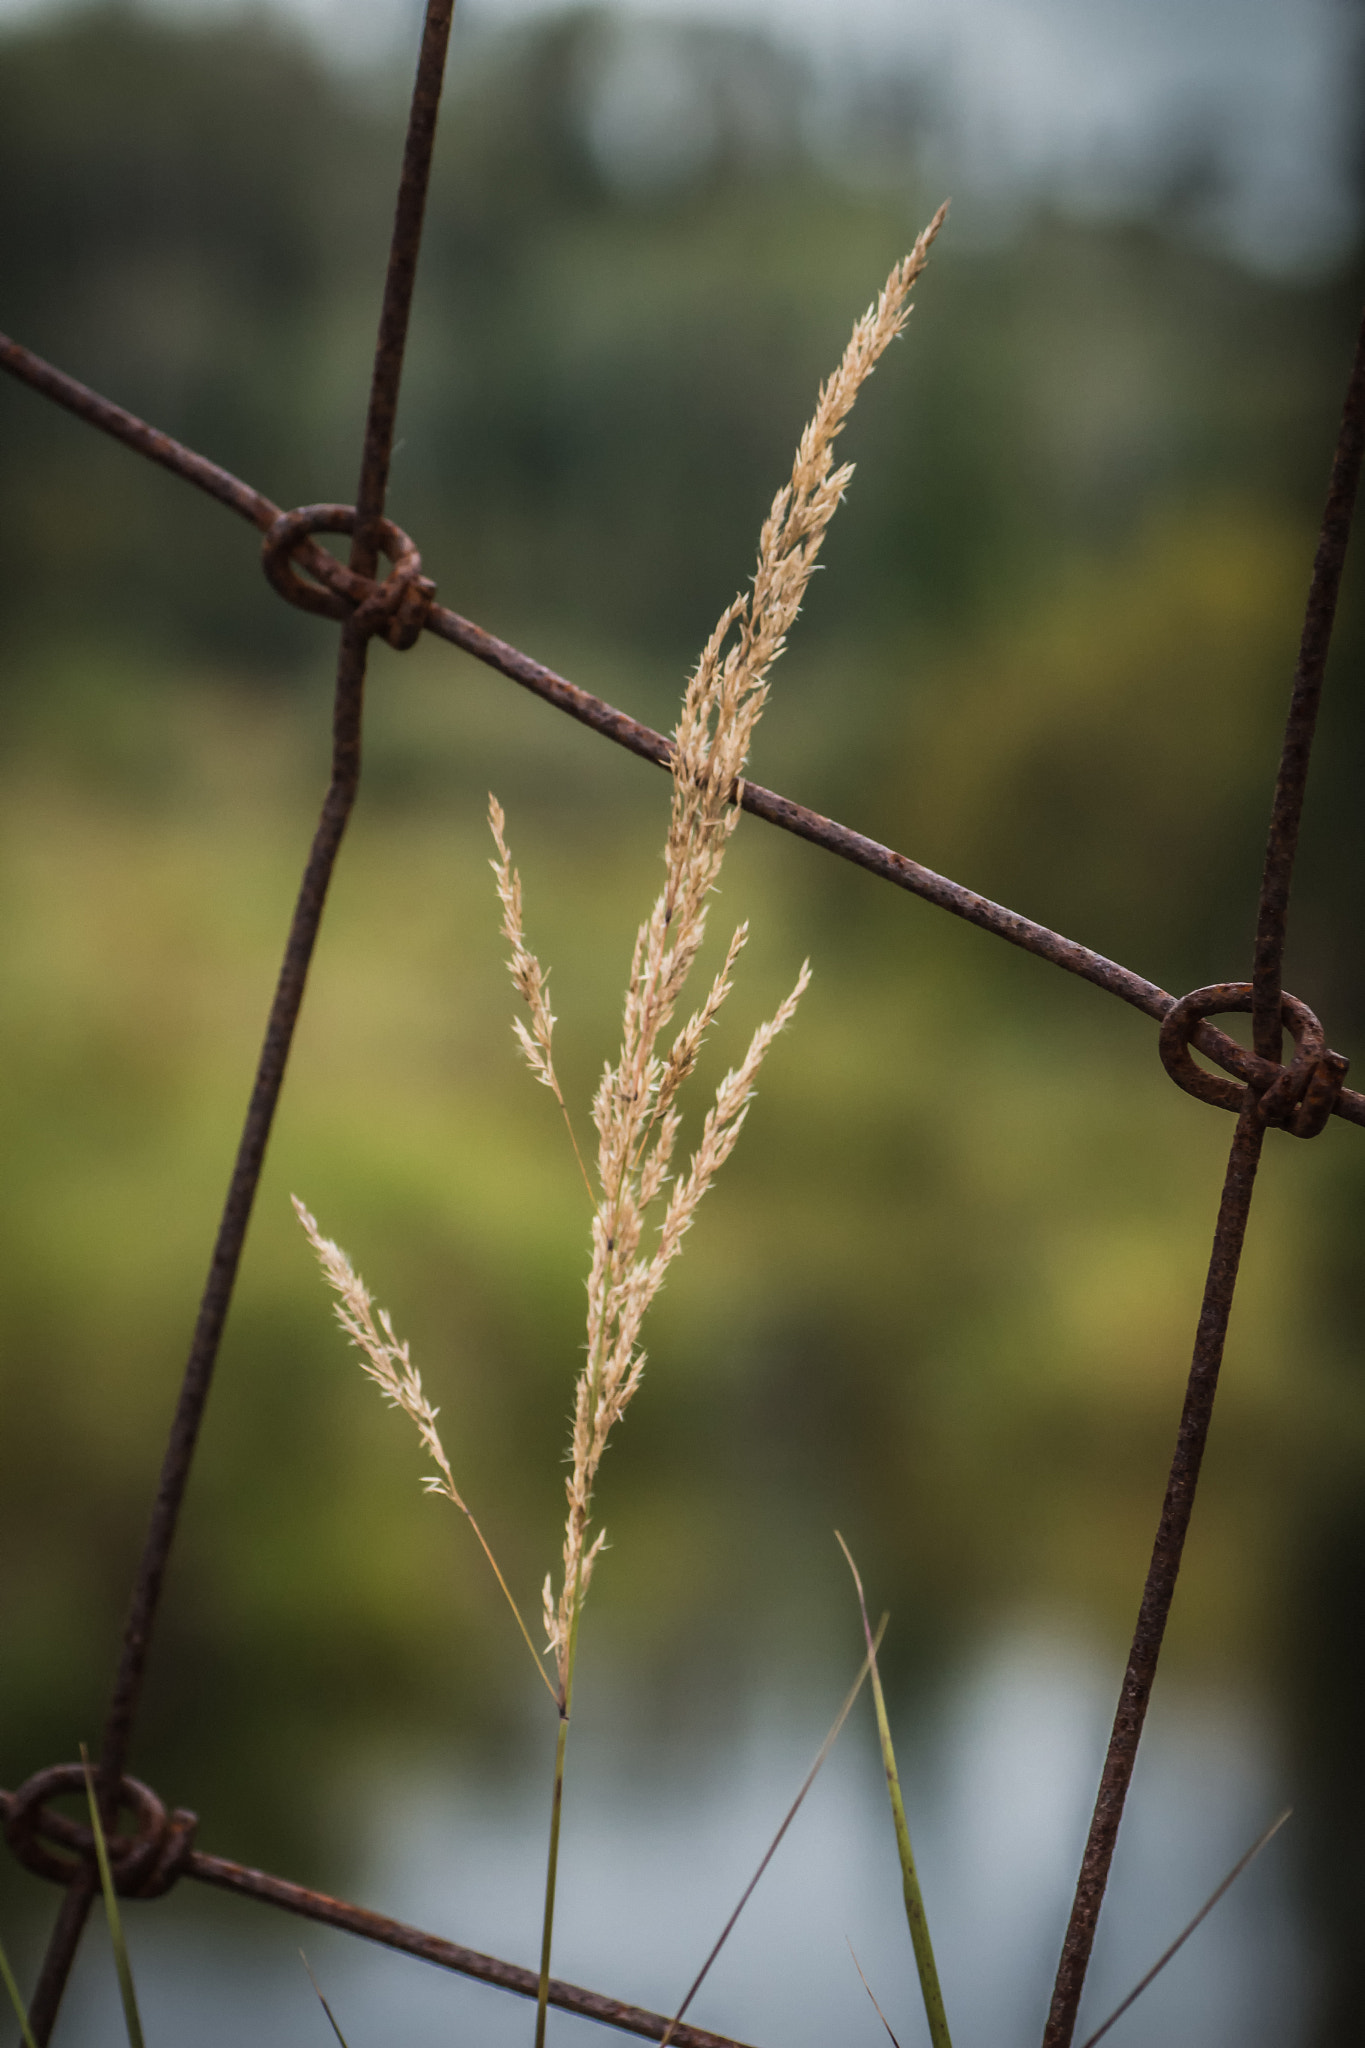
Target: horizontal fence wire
(1263,1093)
(41,1833)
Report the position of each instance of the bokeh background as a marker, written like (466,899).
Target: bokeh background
(943,1296)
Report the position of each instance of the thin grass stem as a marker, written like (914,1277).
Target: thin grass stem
(872,1995)
(541,1672)
(914,1899)
(551,1881)
(332,2018)
(389,1364)
(1210,1902)
(15,2000)
(573,1140)
(125,1974)
(826,1746)
(557,1805)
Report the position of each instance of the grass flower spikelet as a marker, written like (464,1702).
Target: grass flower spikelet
(388,1363)
(635,1109)
(383,1359)
(529,980)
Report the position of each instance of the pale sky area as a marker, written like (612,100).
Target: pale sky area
(1087,101)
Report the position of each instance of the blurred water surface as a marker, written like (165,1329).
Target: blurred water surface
(661,1845)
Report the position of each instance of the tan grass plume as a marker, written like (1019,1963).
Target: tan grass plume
(389,1364)
(635,1109)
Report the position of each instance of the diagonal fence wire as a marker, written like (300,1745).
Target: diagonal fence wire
(1264,1094)
(856,847)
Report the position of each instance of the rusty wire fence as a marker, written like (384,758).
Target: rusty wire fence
(153,1849)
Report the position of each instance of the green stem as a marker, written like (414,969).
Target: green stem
(565,1708)
(7,1977)
(541,1672)
(930,1989)
(131,2018)
(323,2002)
(551,1875)
(557,1807)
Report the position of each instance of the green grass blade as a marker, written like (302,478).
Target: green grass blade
(772,1848)
(321,2000)
(121,1964)
(914,1899)
(15,2000)
(551,1880)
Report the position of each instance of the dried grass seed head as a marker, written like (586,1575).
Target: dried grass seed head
(634,1109)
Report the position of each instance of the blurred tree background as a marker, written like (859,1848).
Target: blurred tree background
(944,1295)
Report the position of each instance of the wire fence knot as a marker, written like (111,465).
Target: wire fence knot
(1298,1098)
(144,1865)
(395,609)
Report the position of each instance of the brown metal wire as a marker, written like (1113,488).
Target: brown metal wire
(1262,1093)
(146,1864)
(336,809)
(335,590)
(1258,1106)
(1292,783)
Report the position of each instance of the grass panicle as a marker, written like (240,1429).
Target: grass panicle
(529,980)
(635,1110)
(389,1364)
(929,1986)
(131,2018)
(644,1205)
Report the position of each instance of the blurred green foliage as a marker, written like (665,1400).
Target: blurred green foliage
(944,1294)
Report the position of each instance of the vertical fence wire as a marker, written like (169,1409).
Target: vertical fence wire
(347,713)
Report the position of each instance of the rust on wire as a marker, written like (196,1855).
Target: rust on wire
(1298,1098)
(337,591)
(398,608)
(336,810)
(1291,785)
(143,1865)
(1159,1591)
(399,280)
(161,1850)
(112,419)
(447,1955)
(1303,1091)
